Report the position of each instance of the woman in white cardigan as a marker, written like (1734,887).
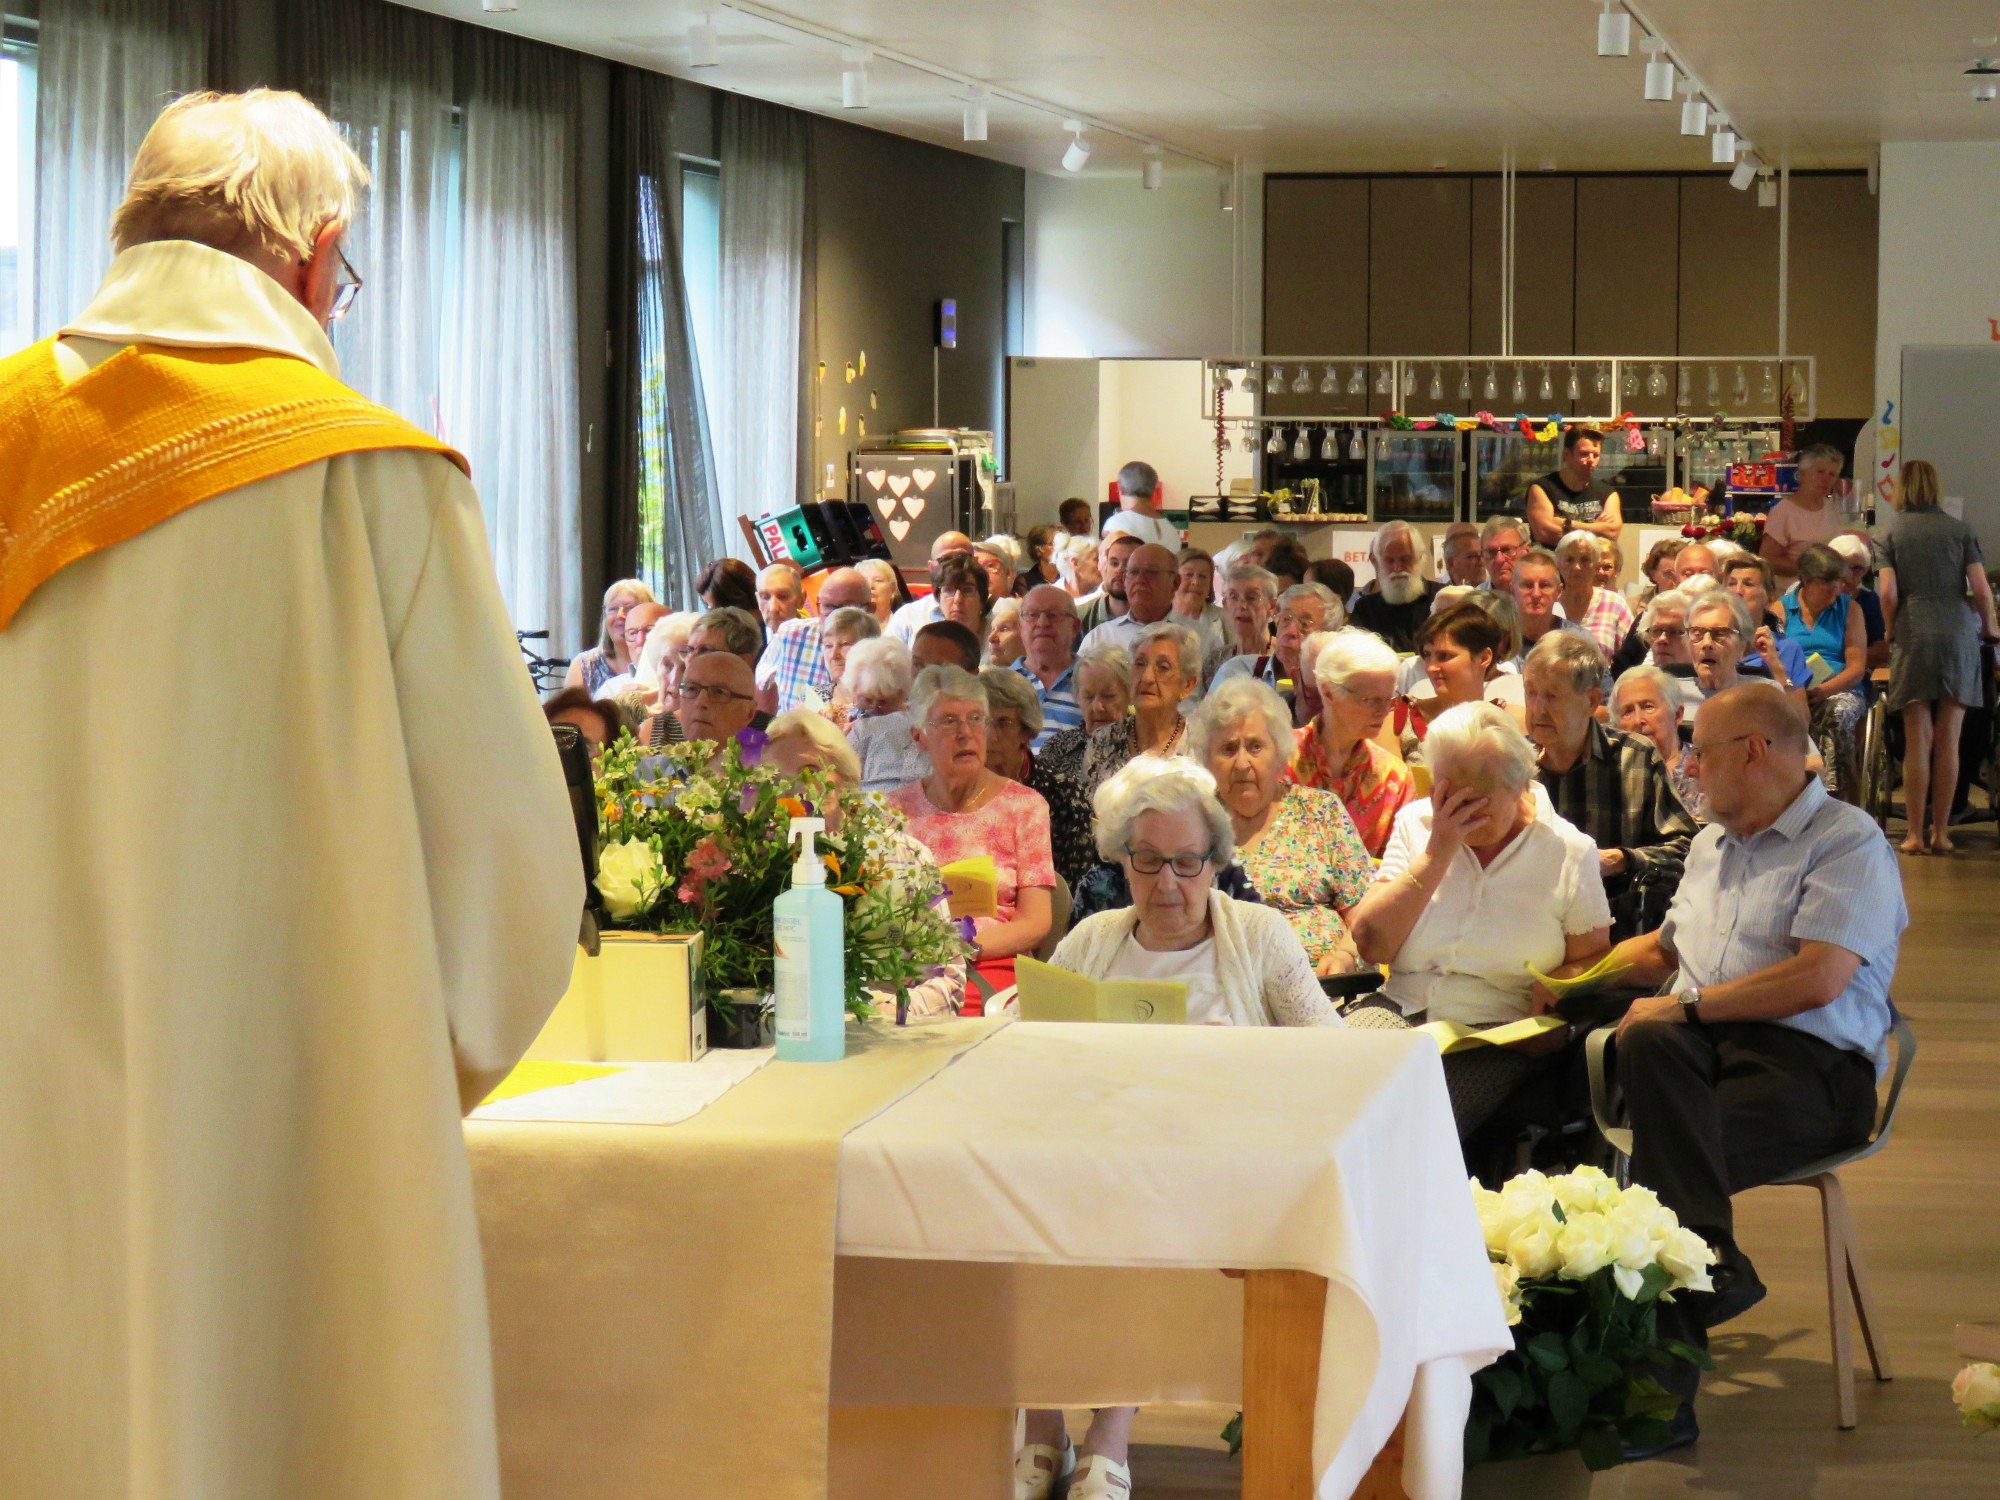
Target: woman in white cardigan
(1243,966)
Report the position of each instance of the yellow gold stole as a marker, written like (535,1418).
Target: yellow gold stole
(90,463)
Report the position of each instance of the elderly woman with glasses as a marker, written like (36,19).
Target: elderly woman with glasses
(1296,844)
(1249,603)
(1481,880)
(1356,675)
(963,809)
(839,633)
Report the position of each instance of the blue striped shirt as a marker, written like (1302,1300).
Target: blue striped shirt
(1060,710)
(1821,873)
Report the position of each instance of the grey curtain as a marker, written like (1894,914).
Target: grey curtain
(105,70)
(666,517)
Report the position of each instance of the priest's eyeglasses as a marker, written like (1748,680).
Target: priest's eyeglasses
(1151,862)
(345,289)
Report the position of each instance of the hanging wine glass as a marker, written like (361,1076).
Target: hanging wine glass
(1739,391)
(1491,390)
(1382,380)
(1301,449)
(1465,382)
(1548,390)
(1357,383)
(1683,386)
(1437,382)
(1275,443)
(1382,446)
(1328,448)
(1274,380)
(1302,383)
(1520,387)
(1631,384)
(1767,389)
(1355,451)
(1656,382)
(1603,381)
(1575,385)
(1714,388)
(1249,443)
(1656,443)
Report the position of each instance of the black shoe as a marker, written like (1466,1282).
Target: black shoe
(1737,1290)
(1681,1431)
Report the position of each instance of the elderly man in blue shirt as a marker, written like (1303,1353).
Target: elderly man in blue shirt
(1762,1051)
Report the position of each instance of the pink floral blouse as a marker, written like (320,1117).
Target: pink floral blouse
(1373,784)
(1012,826)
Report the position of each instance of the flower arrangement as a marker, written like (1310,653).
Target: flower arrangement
(1976,1390)
(1744,528)
(1581,1266)
(687,846)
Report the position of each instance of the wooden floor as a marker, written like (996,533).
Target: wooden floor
(1928,1208)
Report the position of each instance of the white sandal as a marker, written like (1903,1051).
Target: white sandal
(1101,1478)
(1038,1468)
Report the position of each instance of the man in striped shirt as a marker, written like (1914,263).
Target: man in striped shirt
(1049,630)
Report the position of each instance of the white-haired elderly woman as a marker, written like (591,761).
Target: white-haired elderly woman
(1104,693)
(1166,669)
(876,684)
(885,587)
(1601,611)
(610,657)
(1003,633)
(961,809)
(1249,604)
(661,661)
(803,740)
(839,633)
(1296,844)
(1479,881)
(1646,701)
(1243,965)
(1303,610)
(1013,719)
(1355,672)
(1076,566)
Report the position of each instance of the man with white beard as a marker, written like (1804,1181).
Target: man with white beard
(1401,600)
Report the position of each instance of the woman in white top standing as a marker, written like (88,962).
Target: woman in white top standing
(1243,966)
(1478,881)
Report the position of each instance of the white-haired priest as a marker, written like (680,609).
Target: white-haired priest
(289,877)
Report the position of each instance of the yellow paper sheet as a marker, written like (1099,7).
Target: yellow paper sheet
(530,1077)
(974,886)
(1051,994)
(1596,977)
(1452,1037)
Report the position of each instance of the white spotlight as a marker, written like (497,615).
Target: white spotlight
(1153,171)
(492,7)
(1767,189)
(854,77)
(1694,115)
(975,116)
(704,47)
(1659,72)
(1985,93)
(1077,153)
(1722,145)
(1614,32)
(1746,168)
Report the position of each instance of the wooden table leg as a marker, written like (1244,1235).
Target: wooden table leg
(1283,1314)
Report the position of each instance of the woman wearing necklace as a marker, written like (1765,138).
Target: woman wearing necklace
(962,809)
(1356,675)
(1166,668)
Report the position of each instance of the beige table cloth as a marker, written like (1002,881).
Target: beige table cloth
(1331,1151)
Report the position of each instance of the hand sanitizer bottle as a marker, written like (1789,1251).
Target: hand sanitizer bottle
(808,923)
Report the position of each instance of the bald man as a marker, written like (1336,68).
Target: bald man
(791,665)
(914,616)
(1760,1056)
(1150,574)
(717,697)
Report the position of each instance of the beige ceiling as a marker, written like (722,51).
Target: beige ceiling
(1339,85)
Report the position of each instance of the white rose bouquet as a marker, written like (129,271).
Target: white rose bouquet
(1581,1265)
(1976,1389)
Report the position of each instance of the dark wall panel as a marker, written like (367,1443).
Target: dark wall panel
(1627,257)
(1545,251)
(1420,265)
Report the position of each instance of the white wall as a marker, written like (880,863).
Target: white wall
(1151,409)
(1116,271)
(1940,267)
(1052,437)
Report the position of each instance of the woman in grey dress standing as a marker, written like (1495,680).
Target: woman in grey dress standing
(1932,564)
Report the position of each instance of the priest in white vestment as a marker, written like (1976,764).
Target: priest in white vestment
(287,871)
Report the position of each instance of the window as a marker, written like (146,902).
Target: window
(17,186)
(701,268)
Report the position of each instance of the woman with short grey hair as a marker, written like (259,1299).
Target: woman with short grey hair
(877,685)
(1459,925)
(1806,517)
(1296,844)
(839,633)
(1013,719)
(1355,672)
(1103,677)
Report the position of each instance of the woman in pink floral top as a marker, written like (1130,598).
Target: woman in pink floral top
(1356,673)
(962,810)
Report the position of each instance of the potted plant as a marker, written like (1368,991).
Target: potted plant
(1582,1266)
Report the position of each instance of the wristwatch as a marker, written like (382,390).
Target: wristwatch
(1690,999)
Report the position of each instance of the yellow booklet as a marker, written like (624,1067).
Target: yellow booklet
(973,886)
(1453,1037)
(1051,994)
(533,1076)
(1603,972)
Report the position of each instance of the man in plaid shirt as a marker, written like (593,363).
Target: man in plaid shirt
(792,663)
(1610,784)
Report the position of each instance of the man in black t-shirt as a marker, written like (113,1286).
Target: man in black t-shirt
(1570,499)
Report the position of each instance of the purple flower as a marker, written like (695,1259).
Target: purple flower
(750,745)
(966,928)
(746,799)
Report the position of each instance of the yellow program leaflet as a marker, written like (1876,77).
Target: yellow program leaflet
(973,886)
(1452,1037)
(1598,975)
(1051,994)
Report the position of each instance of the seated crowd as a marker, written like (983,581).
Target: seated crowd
(1317,805)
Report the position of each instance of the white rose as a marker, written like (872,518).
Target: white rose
(1637,1233)
(629,878)
(1584,1191)
(1532,1250)
(1585,1246)
(1630,1282)
(1507,1281)
(1687,1258)
(1976,1389)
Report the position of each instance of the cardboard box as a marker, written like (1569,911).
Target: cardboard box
(638,1000)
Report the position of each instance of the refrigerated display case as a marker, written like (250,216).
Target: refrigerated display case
(1504,464)
(1413,476)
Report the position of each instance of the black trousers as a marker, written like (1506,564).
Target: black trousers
(1719,1108)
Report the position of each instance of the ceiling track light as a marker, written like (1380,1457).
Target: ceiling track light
(1659,72)
(1746,168)
(1077,152)
(1985,93)
(497,7)
(854,77)
(1614,32)
(1767,189)
(704,46)
(1721,145)
(1694,114)
(1152,171)
(975,115)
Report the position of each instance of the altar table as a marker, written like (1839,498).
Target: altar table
(1042,1223)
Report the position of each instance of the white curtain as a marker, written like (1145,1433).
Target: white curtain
(510,375)
(105,70)
(765,153)
(384,74)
